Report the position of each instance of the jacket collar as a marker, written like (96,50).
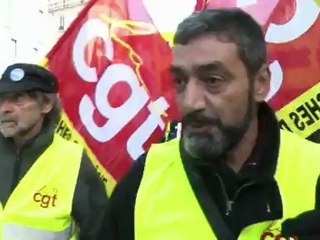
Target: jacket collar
(263,160)
(36,144)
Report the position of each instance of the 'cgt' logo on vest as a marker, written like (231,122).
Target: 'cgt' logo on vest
(274,233)
(46,197)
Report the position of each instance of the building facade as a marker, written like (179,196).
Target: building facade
(23,31)
(61,15)
(29,31)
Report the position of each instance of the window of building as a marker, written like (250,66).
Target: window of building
(13,48)
(41,26)
(61,25)
(35,54)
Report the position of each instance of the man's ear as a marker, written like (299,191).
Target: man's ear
(262,83)
(48,103)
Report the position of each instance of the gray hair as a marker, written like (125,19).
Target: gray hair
(53,117)
(232,24)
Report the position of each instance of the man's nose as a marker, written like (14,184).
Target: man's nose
(194,97)
(5,106)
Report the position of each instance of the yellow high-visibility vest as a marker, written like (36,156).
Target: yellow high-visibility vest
(167,208)
(40,206)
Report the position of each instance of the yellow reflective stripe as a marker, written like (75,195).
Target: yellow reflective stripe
(21,232)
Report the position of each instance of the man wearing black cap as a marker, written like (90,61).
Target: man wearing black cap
(49,188)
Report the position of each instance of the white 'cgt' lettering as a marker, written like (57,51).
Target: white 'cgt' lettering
(307,12)
(117,117)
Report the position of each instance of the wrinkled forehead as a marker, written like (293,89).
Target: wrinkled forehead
(205,50)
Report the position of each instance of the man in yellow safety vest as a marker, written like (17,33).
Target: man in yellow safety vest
(233,174)
(49,189)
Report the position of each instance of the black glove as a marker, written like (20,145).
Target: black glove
(306,226)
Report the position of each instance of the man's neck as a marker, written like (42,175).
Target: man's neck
(243,150)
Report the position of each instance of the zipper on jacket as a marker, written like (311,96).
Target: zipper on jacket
(230,201)
(15,177)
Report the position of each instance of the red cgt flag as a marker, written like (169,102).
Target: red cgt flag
(114,85)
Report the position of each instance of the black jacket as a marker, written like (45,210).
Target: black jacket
(90,198)
(241,199)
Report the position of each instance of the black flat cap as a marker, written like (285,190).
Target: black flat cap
(22,77)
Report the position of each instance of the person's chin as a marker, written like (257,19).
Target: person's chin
(8,132)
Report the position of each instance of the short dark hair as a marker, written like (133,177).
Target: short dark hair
(233,24)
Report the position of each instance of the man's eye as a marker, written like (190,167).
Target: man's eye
(179,82)
(214,81)
(18,98)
